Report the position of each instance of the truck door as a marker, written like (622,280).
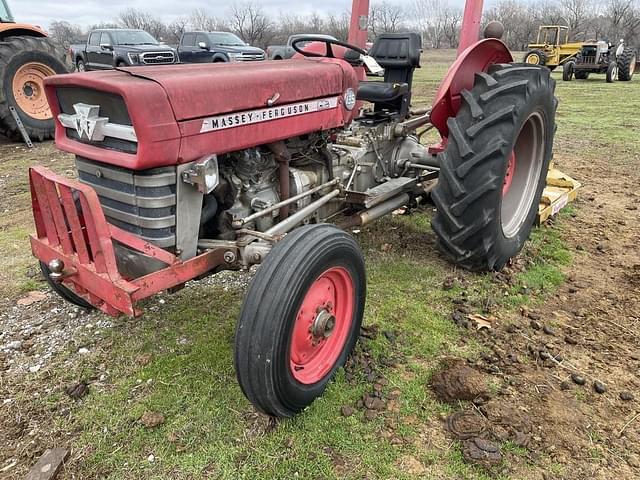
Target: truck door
(202,55)
(187,48)
(106,51)
(92,50)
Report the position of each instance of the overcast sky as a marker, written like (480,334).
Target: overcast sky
(87,12)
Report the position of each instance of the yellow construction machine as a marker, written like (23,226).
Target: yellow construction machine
(552,47)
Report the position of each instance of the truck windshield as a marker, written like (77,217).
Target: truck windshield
(225,38)
(133,37)
(5,13)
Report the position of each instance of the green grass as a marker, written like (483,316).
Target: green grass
(211,431)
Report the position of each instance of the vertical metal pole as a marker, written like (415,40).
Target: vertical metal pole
(470,31)
(359,22)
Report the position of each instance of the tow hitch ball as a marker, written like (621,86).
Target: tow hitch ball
(56,270)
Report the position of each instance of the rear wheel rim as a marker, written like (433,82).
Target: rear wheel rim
(28,90)
(533,59)
(522,175)
(322,326)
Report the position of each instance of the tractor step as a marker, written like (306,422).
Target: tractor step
(561,189)
(378,194)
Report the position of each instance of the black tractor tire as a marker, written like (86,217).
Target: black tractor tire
(274,306)
(612,72)
(535,57)
(627,64)
(485,209)
(16,53)
(568,71)
(581,75)
(64,292)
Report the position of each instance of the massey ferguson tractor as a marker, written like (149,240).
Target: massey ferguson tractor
(189,170)
(27,57)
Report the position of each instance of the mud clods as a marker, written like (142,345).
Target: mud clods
(458,381)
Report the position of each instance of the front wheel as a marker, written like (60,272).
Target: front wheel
(80,66)
(612,72)
(494,168)
(64,292)
(300,319)
(568,70)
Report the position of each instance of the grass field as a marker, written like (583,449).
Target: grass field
(177,359)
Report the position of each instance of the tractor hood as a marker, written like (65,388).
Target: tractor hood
(146,117)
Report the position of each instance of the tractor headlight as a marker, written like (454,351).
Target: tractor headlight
(134,58)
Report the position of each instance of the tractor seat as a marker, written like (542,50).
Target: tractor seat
(399,55)
(381,91)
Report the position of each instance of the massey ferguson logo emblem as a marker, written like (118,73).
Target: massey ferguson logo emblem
(87,121)
(249,117)
(89,125)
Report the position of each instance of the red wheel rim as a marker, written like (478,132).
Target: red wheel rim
(322,326)
(508,177)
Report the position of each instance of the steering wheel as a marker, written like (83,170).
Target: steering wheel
(328,42)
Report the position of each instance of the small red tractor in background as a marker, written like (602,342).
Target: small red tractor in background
(192,169)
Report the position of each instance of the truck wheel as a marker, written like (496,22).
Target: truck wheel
(626,64)
(535,57)
(80,66)
(612,72)
(300,319)
(494,168)
(567,71)
(581,75)
(24,64)
(63,291)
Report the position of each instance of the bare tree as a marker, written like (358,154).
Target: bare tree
(385,17)
(434,18)
(201,20)
(138,19)
(250,23)
(577,13)
(64,33)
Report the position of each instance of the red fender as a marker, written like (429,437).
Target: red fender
(477,58)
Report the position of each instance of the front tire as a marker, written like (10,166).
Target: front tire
(568,70)
(612,72)
(24,64)
(494,168)
(300,319)
(64,292)
(80,66)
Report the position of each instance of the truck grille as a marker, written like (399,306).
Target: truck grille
(140,202)
(158,58)
(250,57)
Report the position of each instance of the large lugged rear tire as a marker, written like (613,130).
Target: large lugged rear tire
(494,168)
(626,64)
(24,63)
(300,319)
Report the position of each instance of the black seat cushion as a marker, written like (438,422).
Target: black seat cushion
(397,50)
(381,91)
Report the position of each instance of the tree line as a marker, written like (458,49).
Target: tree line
(437,20)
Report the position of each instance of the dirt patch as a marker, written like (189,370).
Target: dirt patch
(458,381)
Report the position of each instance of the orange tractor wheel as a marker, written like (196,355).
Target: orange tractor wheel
(24,64)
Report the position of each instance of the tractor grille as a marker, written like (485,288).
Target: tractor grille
(140,202)
(158,58)
(589,55)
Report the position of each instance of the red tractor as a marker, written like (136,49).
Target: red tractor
(188,170)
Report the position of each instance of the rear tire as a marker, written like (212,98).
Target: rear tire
(535,57)
(494,168)
(315,270)
(612,72)
(24,63)
(626,64)
(567,71)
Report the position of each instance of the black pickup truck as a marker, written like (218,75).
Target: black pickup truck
(208,47)
(120,48)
